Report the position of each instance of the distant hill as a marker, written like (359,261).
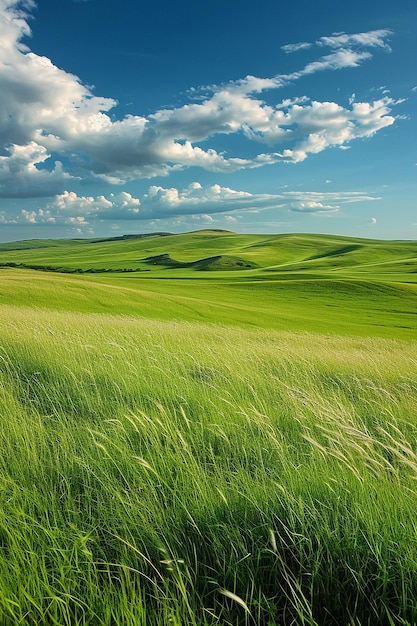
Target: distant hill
(299,282)
(216,250)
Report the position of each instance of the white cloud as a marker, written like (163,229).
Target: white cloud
(319,203)
(320,125)
(344,197)
(122,205)
(69,202)
(371,39)
(42,217)
(48,117)
(39,100)
(195,200)
(295,47)
(338,60)
(21,176)
(312,206)
(373,220)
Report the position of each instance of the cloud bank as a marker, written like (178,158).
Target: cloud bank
(195,200)
(54,130)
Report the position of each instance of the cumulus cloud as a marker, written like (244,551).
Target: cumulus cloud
(42,217)
(122,205)
(196,199)
(202,203)
(312,206)
(49,118)
(21,177)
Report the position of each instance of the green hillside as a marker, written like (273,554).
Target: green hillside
(293,252)
(314,283)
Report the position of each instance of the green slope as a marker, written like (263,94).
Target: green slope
(293,252)
(339,307)
(298,282)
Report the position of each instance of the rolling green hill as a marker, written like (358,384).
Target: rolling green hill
(293,252)
(295,282)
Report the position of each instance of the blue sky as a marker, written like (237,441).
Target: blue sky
(263,117)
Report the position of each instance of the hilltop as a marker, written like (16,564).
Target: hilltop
(218,250)
(300,282)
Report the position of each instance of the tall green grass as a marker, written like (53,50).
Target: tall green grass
(156,473)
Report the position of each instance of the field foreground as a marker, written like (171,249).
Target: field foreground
(172,472)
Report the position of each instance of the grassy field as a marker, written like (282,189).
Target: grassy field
(307,283)
(218,447)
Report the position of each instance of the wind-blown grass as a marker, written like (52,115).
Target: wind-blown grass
(159,473)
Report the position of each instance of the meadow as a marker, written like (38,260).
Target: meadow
(216,446)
